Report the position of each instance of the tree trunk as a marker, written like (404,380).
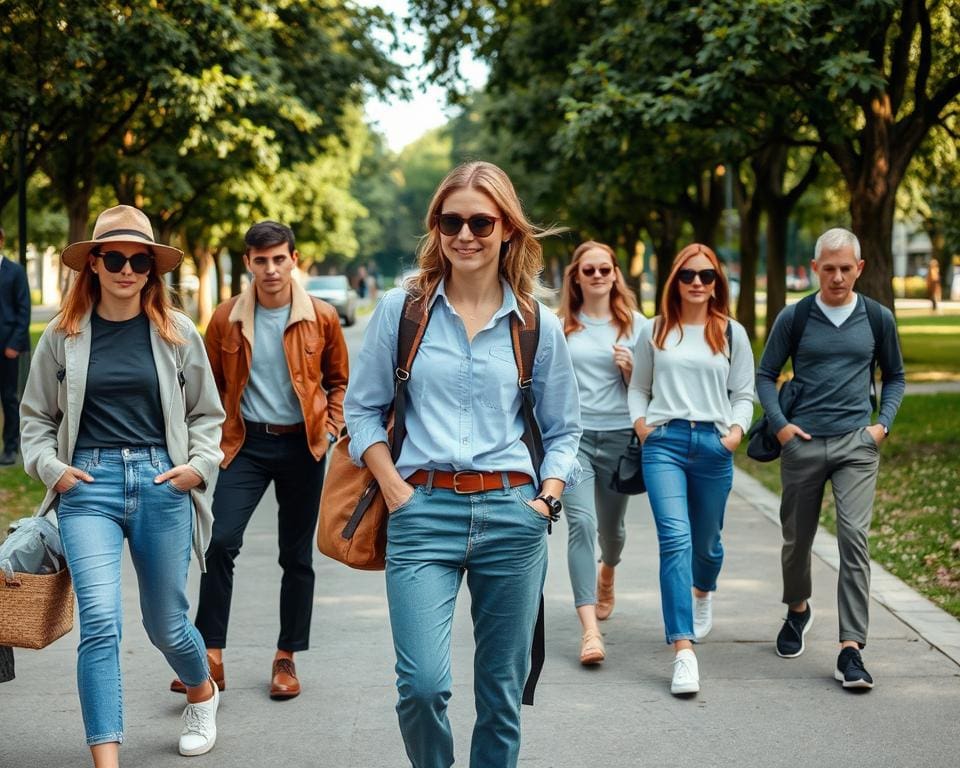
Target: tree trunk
(778,215)
(872,219)
(203,260)
(217,276)
(750,210)
(664,232)
(237,269)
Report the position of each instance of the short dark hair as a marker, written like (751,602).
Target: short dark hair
(265,234)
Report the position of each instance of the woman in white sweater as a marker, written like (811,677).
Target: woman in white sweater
(691,399)
(601,323)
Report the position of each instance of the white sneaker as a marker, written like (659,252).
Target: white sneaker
(199,732)
(702,616)
(686,673)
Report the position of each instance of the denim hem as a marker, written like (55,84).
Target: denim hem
(293,647)
(705,589)
(680,636)
(610,565)
(104,738)
(581,603)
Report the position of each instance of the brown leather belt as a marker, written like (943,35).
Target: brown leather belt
(274,429)
(468,480)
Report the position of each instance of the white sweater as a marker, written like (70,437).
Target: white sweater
(687,381)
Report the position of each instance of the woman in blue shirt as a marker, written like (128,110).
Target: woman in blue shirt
(464,495)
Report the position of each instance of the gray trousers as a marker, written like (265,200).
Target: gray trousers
(850,463)
(591,508)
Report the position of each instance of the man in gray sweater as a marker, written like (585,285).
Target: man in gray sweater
(828,435)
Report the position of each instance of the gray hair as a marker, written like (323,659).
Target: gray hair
(835,239)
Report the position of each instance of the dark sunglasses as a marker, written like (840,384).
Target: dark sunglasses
(451,224)
(707,276)
(588,271)
(113,261)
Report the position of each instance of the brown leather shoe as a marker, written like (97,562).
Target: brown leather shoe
(216,672)
(605,599)
(284,684)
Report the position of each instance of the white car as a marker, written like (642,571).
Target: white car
(335,290)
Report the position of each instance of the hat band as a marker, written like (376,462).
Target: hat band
(115,232)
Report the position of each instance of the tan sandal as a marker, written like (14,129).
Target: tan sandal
(605,599)
(592,650)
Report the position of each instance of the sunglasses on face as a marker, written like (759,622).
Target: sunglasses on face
(451,224)
(589,270)
(113,261)
(707,276)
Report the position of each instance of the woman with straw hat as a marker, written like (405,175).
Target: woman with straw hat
(121,422)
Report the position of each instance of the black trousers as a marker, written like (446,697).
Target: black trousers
(9,373)
(298,480)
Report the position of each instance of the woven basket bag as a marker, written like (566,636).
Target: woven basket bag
(35,610)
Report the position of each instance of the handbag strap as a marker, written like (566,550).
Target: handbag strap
(414,318)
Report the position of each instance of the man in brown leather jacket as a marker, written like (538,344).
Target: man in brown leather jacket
(280,363)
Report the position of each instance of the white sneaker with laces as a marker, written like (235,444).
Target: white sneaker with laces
(686,673)
(702,616)
(199,732)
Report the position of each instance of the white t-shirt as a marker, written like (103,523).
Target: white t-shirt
(686,380)
(603,393)
(837,315)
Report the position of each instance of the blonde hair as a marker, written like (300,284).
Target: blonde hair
(521,258)
(622,301)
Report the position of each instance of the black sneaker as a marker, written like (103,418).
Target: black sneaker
(795,626)
(850,670)
(8,458)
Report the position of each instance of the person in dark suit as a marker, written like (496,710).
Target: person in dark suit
(14,340)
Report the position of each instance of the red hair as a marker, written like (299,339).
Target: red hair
(622,301)
(84,294)
(717,315)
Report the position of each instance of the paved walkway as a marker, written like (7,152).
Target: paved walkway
(754,708)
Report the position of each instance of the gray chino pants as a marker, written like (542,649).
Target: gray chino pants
(850,463)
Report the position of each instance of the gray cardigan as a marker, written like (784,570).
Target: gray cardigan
(53,401)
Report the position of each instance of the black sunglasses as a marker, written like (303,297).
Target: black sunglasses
(113,261)
(707,276)
(588,271)
(451,224)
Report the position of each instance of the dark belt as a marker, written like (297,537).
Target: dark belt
(468,480)
(274,429)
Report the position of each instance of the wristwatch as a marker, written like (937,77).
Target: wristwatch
(553,505)
(886,430)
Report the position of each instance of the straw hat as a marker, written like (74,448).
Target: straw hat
(122,224)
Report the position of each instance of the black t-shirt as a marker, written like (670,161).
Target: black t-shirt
(121,406)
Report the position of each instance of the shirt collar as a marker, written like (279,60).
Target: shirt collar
(508,305)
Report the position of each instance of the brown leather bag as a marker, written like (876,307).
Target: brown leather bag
(353,514)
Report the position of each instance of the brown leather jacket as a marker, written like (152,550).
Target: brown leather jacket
(316,356)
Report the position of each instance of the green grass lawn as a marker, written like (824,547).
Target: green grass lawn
(19,496)
(916,523)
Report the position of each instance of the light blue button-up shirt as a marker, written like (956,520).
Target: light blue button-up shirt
(463,400)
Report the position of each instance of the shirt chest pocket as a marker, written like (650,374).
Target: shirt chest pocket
(497,385)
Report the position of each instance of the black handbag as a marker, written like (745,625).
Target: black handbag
(762,442)
(628,476)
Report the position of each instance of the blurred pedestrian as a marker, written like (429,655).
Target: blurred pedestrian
(934,287)
(280,364)
(121,422)
(602,325)
(691,399)
(14,341)
(464,494)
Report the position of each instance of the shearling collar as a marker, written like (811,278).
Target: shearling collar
(301,308)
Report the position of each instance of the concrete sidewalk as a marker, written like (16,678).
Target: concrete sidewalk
(754,708)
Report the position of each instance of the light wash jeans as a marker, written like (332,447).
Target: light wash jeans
(592,508)
(500,542)
(688,473)
(124,502)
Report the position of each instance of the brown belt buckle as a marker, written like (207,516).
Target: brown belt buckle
(469,473)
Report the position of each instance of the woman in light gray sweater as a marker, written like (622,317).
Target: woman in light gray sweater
(601,323)
(691,400)
(121,421)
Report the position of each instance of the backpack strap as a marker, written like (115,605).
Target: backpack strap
(525,340)
(414,318)
(875,317)
(801,312)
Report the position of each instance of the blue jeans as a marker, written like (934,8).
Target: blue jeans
(124,502)
(500,542)
(688,473)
